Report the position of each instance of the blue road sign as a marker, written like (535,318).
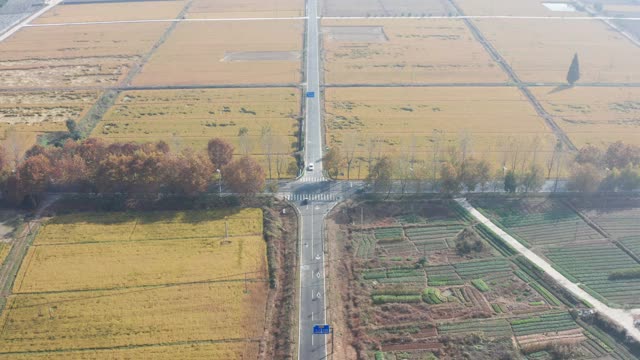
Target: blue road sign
(321,329)
(311,94)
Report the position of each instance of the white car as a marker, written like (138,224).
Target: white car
(310,167)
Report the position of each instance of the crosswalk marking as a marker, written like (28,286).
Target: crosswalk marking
(312,197)
(311,179)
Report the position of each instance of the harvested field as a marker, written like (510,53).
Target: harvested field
(223,350)
(25,116)
(594,115)
(541,50)
(511,8)
(207,9)
(193,117)
(200,52)
(83,55)
(386,8)
(393,121)
(405,52)
(119,11)
(123,280)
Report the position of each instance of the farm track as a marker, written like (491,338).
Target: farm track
(19,249)
(160,87)
(497,57)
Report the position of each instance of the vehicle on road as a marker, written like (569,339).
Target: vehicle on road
(305,202)
(310,167)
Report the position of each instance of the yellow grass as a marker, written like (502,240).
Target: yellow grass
(119,11)
(202,351)
(541,50)
(595,115)
(512,8)
(109,265)
(166,225)
(245,8)
(4,251)
(195,53)
(498,121)
(83,55)
(166,314)
(416,51)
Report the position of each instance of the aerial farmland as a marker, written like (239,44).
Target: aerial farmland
(319,179)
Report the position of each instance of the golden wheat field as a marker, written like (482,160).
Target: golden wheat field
(405,52)
(207,9)
(118,280)
(160,225)
(240,350)
(137,263)
(398,121)
(136,316)
(542,50)
(594,115)
(120,11)
(254,52)
(4,251)
(81,55)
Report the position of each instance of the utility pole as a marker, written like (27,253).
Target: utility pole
(226,229)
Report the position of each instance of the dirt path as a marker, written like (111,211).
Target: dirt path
(19,249)
(623,318)
(497,57)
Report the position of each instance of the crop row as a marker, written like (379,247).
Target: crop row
(477,269)
(366,246)
(388,233)
(492,328)
(592,265)
(543,324)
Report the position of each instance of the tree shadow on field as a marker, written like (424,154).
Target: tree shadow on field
(146,217)
(561,88)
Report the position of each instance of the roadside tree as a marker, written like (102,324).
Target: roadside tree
(220,152)
(245,176)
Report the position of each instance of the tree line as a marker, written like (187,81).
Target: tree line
(95,166)
(616,168)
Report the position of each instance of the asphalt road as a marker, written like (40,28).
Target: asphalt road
(316,189)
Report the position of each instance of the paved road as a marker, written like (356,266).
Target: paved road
(23,20)
(623,318)
(312,276)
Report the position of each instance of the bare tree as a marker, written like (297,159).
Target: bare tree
(245,143)
(436,140)
(15,146)
(554,157)
(349,147)
(267,144)
(371,149)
